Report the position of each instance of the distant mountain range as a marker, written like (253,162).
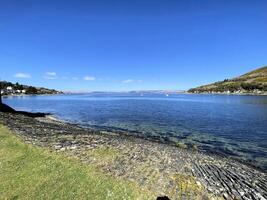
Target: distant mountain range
(138,92)
(8,88)
(254,82)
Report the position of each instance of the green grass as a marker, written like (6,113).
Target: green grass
(261,79)
(28,172)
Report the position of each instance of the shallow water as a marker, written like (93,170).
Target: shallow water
(232,125)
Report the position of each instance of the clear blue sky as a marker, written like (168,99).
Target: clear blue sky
(130,44)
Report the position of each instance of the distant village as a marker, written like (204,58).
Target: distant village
(255,91)
(8,88)
(11,90)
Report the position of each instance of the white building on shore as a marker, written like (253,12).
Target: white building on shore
(9,88)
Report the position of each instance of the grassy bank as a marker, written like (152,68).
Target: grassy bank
(28,172)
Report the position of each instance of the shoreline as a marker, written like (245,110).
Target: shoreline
(182,93)
(25,95)
(126,133)
(231,94)
(31,172)
(149,163)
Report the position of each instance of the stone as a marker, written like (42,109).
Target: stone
(57,147)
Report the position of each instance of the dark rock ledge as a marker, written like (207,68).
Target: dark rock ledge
(7,109)
(150,164)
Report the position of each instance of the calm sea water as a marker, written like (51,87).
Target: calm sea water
(232,125)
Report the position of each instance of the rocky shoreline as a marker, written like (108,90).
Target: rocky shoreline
(161,168)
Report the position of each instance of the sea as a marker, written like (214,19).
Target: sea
(229,125)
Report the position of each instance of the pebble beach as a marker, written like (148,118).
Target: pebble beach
(162,168)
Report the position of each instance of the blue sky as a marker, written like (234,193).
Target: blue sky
(116,45)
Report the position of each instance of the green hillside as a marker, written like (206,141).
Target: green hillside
(8,88)
(254,82)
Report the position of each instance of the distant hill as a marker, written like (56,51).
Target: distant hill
(254,82)
(8,88)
